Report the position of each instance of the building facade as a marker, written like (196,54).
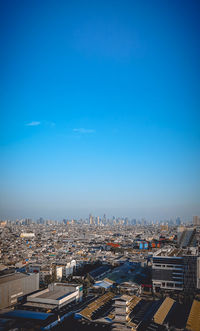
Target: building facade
(175,270)
(16,285)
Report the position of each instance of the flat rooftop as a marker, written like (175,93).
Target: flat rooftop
(55,292)
(11,277)
(175,252)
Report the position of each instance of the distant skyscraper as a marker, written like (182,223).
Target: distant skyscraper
(98,220)
(196,220)
(178,221)
(64,221)
(91,219)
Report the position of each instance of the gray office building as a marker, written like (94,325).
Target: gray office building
(175,269)
(16,285)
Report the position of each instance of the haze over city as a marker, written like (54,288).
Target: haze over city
(99,109)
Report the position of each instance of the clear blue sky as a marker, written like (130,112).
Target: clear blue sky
(100,108)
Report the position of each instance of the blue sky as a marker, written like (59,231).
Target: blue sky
(99,106)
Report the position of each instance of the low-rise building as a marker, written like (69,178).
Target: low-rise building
(56,295)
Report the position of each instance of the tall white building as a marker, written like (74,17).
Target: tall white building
(196,220)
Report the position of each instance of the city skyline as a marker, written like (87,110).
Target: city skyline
(100,109)
(97,219)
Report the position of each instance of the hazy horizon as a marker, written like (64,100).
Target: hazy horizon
(85,215)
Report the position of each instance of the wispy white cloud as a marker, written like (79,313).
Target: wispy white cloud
(83,130)
(34,123)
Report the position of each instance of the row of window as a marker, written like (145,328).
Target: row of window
(171,285)
(168,266)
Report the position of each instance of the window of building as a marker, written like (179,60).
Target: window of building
(178,285)
(170,284)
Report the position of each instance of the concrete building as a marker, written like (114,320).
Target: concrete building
(27,235)
(175,269)
(198,273)
(56,295)
(69,268)
(58,271)
(16,285)
(43,270)
(196,220)
(186,237)
(3,223)
(91,220)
